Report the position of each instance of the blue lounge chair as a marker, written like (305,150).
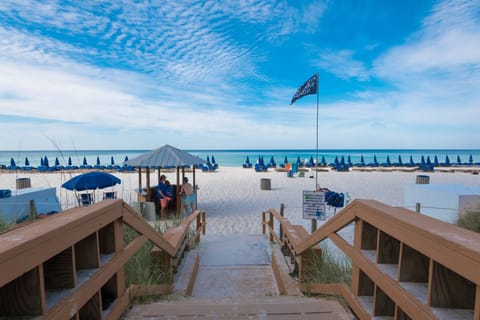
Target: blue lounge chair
(85,199)
(109,195)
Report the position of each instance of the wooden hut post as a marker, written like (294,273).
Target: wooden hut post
(194,187)
(149,196)
(179,200)
(139,180)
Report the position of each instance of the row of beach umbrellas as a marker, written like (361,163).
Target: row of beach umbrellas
(45,164)
(424,161)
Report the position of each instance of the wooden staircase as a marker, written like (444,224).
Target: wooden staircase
(236,280)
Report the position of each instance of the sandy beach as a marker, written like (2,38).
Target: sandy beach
(233,200)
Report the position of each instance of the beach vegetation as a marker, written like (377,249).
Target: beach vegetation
(328,268)
(141,269)
(470,220)
(5,226)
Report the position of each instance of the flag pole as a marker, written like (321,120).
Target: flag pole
(314,221)
(316,164)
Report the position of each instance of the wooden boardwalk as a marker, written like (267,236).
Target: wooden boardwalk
(235,281)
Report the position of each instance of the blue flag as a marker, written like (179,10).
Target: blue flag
(309,87)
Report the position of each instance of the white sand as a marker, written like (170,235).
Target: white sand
(233,200)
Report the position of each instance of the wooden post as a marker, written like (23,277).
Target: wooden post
(263,222)
(418,207)
(139,180)
(282,213)
(194,187)
(270,223)
(149,197)
(33,210)
(178,199)
(204,224)
(314,225)
(199,225)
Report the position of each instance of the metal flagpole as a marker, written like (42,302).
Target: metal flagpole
(316,164)
(314,221)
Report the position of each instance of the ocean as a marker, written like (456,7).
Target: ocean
(234,158)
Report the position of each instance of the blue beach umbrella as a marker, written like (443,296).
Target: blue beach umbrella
(12,163)
(349,160)
(27,163)
(435,161)
(42,162)
(459,162)
(323,161)
(470,160)
(447,161)
(98,160)
(422,160)
(400,162)
(213,159)
(208,159)
(126,159)
(91,181)
(85,161)
(45,162)
(112,161)
(428,160)
(247,161)
(286,160)
(57,163)
(69,161)
(412,163)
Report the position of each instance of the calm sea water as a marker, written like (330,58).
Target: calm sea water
(237,157)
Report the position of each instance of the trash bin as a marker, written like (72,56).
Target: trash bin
(23,183)
(265,184)
(423,180)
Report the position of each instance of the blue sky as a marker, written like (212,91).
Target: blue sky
(221,74)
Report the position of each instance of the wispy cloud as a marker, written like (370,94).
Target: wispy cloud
(343,65)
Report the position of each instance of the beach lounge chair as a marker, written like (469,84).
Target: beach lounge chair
(85,199)
(109,195)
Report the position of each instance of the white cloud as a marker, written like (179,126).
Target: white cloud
(343,65)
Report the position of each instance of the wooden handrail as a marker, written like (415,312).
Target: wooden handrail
(394,249)
(53,253)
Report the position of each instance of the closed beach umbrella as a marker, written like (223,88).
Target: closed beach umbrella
(323,161)
(126,159)
(447,160)
(458,160)
(91,181)
(400,160)
(45,162)
(286,160)
(42,162)
(428,160)
(98,160)
(12,163)
(470,159)
(213,159)
(247,161)
(349,160)
(208,159)
(85,161)
(411,161)
(69,161)
(27,163)
(435,161)
(112,161)
(57,163)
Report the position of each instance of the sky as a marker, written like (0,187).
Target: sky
(215,74)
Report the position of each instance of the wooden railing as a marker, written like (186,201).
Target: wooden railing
(404,265)
(71,265)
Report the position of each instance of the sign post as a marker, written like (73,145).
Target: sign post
(314,207)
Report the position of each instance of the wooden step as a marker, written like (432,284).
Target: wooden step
(266,308)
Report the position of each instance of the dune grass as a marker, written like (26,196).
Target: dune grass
(470,221)
(140,269)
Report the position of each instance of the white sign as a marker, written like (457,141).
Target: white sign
(314,205)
